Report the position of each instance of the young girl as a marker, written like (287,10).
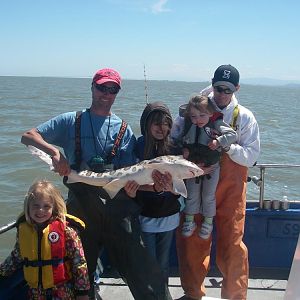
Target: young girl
(159,216)
(203,136)
(48,248)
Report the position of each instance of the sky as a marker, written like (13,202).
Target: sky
(174,39)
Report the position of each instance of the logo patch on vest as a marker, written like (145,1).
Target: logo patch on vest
(53,237)
(212,133)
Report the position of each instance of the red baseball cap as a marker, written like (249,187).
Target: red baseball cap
(107,75)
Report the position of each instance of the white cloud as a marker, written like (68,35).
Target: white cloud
(158,7)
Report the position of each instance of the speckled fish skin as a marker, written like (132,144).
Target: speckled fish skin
(113,181)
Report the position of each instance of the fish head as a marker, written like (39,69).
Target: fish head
(189,168)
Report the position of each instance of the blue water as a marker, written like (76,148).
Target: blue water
(26,102)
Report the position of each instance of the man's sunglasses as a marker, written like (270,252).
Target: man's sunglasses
(107,89)
(225,91)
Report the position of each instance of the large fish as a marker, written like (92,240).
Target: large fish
(113,181)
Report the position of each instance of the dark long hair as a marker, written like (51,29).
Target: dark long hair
(154,147)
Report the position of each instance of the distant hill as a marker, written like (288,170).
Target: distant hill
(270,81)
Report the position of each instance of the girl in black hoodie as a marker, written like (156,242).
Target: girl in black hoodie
(160,210)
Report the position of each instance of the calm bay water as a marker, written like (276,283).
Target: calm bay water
(26,102)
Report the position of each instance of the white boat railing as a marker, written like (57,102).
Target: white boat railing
(260,182)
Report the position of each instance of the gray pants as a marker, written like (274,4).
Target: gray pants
(201,196)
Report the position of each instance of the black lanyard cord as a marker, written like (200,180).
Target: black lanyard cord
(94,137)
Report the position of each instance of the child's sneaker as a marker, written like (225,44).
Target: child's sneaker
(205,230)
(188,228)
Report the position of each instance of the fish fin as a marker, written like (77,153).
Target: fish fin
(42,155)
(179,187)
(156,163)
(113,187)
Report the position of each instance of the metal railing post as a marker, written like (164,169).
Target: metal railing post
(262,187)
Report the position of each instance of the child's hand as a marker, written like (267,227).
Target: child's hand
(207,170)
(168,182)
(185,153)
(131,187)
(162,182)
(157,181)
(213,145)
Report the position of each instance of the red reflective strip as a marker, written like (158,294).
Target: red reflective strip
(216,116)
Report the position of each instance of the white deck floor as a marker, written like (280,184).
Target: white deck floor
(111,287)
(259,289)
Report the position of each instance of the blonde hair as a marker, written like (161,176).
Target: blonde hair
(201,103)
(40,189)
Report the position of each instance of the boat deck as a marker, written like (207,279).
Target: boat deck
(113,287)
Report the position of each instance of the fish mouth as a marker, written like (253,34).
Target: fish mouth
(193,173)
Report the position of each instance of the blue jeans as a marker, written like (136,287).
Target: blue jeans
(158,244)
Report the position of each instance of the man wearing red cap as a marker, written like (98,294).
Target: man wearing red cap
(232,255)
(98,140)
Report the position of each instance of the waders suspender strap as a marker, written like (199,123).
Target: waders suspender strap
(78,139)
(234,117)
(118,139)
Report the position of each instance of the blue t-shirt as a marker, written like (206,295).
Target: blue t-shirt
(98,134)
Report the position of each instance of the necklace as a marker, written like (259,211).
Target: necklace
(94,136)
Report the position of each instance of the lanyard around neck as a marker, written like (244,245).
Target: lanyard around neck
(94,136)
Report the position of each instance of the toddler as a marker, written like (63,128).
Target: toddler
(203,136)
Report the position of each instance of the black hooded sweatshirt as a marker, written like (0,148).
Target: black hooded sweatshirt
(154,205)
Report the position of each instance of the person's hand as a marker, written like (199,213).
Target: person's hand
(185,153)
(168,182)
(213,145)
(131,188)
(162,182)
(206,170)
(60,164)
